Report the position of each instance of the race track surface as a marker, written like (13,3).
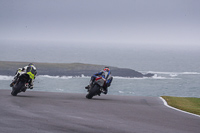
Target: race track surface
(48,112)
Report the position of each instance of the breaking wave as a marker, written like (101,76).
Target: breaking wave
(62,77)
(174,73)
(157,75)
(171,74)
(4,77)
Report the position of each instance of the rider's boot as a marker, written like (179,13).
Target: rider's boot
(105,90)
(31,84)
(13,82)
(87,87)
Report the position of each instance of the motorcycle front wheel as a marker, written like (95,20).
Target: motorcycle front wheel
(93,91)
(16,88)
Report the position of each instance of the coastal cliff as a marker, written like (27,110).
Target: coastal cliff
(68,69)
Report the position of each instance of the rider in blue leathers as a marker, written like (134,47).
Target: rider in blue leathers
(105,73)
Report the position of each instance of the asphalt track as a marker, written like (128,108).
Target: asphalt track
(48,112)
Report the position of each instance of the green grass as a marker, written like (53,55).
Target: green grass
(188,104)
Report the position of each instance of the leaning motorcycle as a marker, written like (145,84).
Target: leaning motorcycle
(21,84)
(97,87)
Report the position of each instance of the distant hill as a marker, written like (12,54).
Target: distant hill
(67,69)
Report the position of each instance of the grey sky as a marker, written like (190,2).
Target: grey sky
(153,23)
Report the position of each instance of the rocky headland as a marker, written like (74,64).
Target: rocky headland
(68,69)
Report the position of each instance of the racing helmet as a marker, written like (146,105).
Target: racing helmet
(30,64)
(19,69)
(106,69)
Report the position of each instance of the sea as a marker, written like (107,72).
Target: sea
(176,71)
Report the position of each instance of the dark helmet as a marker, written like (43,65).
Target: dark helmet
(30,64)
(106,69)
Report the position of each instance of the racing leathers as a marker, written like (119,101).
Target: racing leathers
(30,70)
(106,75)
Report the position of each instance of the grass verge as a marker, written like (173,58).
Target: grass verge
(188,104)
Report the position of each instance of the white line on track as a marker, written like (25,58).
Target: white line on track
(165,103)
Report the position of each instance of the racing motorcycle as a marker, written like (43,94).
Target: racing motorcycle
(97,87)
(21,84)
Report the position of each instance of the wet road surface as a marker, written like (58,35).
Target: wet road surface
(50,112)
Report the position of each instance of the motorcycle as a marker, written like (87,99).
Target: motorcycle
(21,84)
(97,87)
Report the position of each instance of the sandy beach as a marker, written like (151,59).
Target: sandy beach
(50,112)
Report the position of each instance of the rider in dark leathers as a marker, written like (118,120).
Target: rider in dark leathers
(30,70)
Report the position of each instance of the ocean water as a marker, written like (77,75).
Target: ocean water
(177,73)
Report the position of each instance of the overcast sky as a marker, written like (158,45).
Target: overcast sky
(156,23)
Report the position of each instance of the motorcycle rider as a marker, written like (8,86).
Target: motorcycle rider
(30,70)
(102,73)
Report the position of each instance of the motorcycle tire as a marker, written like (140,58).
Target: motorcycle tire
(16,88)
(93,91)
